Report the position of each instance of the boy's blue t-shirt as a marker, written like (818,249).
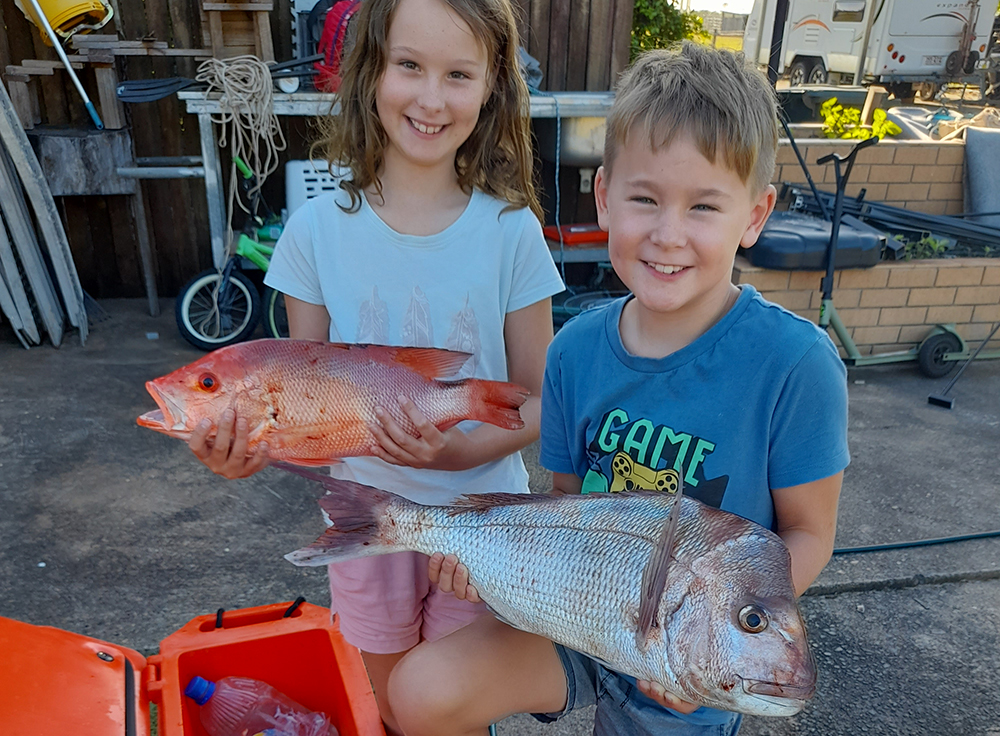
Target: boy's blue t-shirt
(757,402)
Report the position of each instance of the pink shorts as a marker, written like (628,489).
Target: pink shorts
(386,604)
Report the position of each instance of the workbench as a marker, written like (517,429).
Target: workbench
(315,104)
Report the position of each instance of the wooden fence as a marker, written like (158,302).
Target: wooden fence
(580,44)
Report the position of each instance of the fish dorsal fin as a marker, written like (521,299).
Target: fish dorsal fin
(482,502)
(428,362)
(654,576)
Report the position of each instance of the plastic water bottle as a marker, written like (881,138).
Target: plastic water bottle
(238,706)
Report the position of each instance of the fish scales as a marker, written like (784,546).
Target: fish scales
(577,606)
(725,630)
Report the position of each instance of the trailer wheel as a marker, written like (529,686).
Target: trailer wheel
(798,72)
(932,352)
(902,91)
(927,91)
(817,75)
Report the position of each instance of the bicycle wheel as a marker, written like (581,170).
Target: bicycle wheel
(275,317)
(207,323)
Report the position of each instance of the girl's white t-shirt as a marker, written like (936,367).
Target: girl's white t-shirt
(450,290)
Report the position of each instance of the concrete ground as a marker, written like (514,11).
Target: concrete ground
(116,532)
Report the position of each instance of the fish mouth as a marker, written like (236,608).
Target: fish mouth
(169,418)
(777,698)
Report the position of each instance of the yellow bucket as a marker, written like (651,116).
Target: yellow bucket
(68,16)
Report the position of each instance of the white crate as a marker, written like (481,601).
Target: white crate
(307,179)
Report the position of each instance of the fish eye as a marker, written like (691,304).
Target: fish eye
(208,382)
(753,619)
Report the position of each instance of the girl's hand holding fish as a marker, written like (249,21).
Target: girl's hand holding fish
(446,572)
(430,448)
(226,454)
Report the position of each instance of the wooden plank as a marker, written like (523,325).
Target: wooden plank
(138,205)
(262,28)
(84,161)
(18,220)
(599,46)
(20,97)
(112,110)
(5,50)
(539,47)
(76,61)
(53,235)
(74,212)
(31,71)
(10,279)
(218,41)
(7,307)
(94,38)
(621,37)
(558,44)
(522,12)
(577,56)
(246,7)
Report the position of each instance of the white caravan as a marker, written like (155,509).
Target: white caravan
(924,41)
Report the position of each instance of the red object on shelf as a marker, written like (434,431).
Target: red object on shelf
(581,234)
(55,682)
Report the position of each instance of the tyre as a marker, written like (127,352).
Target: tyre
(817,75)
(902,91)
(932,352)
(798,72)
(927,91)
(208,324)
(275,317)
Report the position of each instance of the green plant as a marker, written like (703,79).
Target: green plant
(927,247)
(845,122)
(656,24)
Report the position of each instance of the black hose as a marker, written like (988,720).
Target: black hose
(918,543)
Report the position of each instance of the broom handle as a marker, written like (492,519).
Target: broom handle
(69,67)
(972,358)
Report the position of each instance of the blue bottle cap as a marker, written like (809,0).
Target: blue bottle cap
(200,690)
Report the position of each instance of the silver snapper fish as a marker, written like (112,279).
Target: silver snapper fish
(699,600)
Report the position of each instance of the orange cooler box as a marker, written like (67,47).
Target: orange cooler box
(56,683)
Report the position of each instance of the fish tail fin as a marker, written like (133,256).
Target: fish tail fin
(356,512)
(495,402)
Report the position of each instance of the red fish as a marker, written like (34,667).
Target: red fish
(313,402)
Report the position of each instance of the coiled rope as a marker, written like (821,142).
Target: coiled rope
(247,121)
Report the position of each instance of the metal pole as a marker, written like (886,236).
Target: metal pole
(775,59)
(69,67)
(859,73)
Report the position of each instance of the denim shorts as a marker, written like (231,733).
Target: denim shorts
(622,709)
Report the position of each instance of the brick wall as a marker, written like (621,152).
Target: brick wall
(917,175)
(893,305)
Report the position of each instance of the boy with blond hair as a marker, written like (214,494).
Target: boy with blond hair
(689,378)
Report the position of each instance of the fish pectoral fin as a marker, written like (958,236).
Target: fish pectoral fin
(654,575)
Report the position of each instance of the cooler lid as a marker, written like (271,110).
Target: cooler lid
(54,683)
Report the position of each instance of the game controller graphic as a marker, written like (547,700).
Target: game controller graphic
(631,476)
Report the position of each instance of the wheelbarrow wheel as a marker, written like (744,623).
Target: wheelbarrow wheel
(932,351)
(209,323)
